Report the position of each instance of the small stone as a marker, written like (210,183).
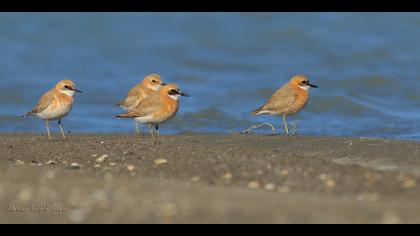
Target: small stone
(330,183)
(161,162)
(50,162)
(102,159)
(130,168)
(20,163)
(74,166)
(95,155)
(284,172)
(97,166)
(254,185)
(227,176)
(409,183)
(270,187)
(195,179)
(112,164)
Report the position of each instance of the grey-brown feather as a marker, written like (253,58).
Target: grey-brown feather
(43,103)
(280,102)
(145,107)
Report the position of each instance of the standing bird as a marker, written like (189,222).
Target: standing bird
(157,108)
(55,104)
(149,85)
(288,100)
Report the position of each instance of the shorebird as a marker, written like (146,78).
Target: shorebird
(288,100)
(55,104)
(149,85)
(157,108)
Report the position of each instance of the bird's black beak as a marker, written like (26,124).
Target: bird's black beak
(313,85)
(184,94)
(163,84)
(76,90)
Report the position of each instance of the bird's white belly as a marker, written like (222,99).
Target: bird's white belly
(145,119)
(56,113)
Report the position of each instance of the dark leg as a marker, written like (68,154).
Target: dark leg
(157,132)
(61,128)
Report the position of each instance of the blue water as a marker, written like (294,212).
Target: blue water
(366,64)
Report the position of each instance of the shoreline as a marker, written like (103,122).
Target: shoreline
(208,178)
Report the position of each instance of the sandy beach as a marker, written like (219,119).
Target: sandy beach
(193,178)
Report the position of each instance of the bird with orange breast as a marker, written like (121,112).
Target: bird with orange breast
(149,85)
(288,100)
(55,104)
(157,108)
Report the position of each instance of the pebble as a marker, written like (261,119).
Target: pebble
(284,173)
(102,159)
(409,183)
(74,165)
(50,162)
(330,183)
(270,187)
(130,168)
(227,176)
(195,179)
(254,185)
(112,164)
(20,163)
(161,162)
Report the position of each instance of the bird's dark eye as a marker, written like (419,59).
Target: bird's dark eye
(154,81)
(173,92)
(305,82)
(66,87)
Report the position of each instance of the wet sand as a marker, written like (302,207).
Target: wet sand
(208,179)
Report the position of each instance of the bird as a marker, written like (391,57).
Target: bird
(55,104)
(151,83)
(288,100)
(157,108)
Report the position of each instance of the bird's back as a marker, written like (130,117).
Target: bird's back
(283,101)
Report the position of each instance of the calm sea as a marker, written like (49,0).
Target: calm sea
(367,66)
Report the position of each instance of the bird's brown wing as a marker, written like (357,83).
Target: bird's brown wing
(132,97)
(281,100)
(147,106)
(45,101)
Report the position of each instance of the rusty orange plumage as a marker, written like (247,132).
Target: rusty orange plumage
(55,104)
(288,100)
(150,84)
(157,108)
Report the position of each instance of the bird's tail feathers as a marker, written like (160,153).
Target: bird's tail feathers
(258,111)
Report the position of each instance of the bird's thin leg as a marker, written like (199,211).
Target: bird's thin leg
(48,129)
(285,125)
(151,133)
(158,136)
(61,128)
(137,127)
